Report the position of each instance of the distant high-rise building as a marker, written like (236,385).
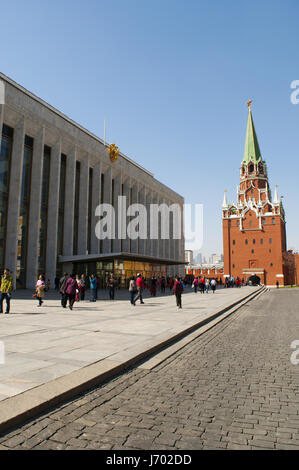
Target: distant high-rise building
(189,256)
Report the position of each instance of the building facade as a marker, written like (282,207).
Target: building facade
(53,175)
(254,228)
(189,256)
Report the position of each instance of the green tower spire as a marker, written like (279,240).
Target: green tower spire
(252,151)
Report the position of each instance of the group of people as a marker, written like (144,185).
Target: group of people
(234,282)
(138,284)
(204,284)
(72,288)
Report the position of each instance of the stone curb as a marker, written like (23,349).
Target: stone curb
(24,406)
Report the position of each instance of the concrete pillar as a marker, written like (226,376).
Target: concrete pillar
(126,192)
(34,209)
(155,242)
(96,196)
(83,206)
(142,200)
(52,227)
(149,241)
(15,185)
(182,242)
(69,204)
(107,243)
(134,243)
(167,242)
(162,240)
(116,244)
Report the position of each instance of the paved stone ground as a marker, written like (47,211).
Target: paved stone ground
(233,388)
(43,344)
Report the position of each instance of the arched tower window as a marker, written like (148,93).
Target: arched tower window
(251,168)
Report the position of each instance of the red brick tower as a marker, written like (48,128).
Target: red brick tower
(254,234)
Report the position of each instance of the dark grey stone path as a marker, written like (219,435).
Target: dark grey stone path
(233,388)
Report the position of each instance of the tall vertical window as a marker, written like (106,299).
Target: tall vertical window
(61,205)
(76,210)
(90,188)
(130,203)
(44,211)
(24,213)
(5,157)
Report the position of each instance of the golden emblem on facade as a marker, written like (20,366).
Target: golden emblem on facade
(113,151)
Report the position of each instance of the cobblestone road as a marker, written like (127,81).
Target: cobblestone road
(233,388)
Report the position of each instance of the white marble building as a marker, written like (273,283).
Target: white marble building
(53,174)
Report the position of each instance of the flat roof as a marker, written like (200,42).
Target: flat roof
(120,255)
(66,118)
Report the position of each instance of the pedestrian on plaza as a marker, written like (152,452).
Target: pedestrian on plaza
(77,298)
(202,285)
(207,286)
(82,286)
(153,286)
(213,285)
(277,284)
(132,289)
(195,285)
(93,288)
(40,288)
(6,290)
(62,283)
(70,290)
(163,285)
(111,286)
(178,290)
(170,285)
(140,286)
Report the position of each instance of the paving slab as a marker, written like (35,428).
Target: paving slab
(51,343)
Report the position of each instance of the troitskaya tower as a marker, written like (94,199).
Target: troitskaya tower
(254,234)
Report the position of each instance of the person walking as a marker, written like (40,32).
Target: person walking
(111,286)
(93,288)
(40,288)
(82,286)
(178,290)
(70,290)
(195,284)
(153,286)
(213,285)
(62,283)
(132,289)
(207,285)
(140,286)
(6,290)
(202,285)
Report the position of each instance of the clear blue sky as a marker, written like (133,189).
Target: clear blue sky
(172,77)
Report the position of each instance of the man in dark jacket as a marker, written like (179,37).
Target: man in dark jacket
(62,283)
(178,290)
